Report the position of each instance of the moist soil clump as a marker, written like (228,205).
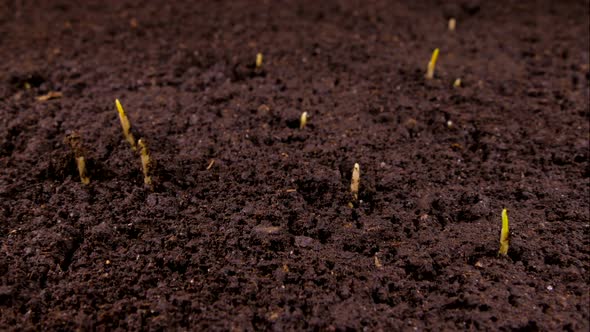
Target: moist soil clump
(247,223)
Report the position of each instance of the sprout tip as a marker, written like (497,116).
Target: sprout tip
(432,64)
(355,182)
(81,163)
(125,124)
(452,24)
(505,234)
(146,161)
(303,120)
(258,60)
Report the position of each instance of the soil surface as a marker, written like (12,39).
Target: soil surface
(248,224)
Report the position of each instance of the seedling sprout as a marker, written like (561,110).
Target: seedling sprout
(258,60)
(452,24)
(303,120)
(377,262)
(504,235)
(210,164)
(81,163)
(50,95)
(146,162)
(74,142)
(432,64)
(355,182)
(125,124)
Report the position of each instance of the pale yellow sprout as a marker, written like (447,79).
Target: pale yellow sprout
(377,262)
(504,235)
(50,95)
(457,83)
(258,60)
(210,164)
(452,24)
(81,163)
(125,124)
(356,181)
(432,64)
(146,162)
(73,141)
(303,120)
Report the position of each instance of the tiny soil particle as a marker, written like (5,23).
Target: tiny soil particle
(246,224)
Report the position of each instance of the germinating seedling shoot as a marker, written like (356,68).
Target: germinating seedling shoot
(81,163)
(355,181)
(504,235)
(303,120)
(146,161)
(258,60)
(452,24)
(125,124)
(432,65)
(74,142)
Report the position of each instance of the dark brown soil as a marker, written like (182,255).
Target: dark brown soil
(264,239)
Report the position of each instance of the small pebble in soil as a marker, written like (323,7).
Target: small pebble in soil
(549,288)
(304,241)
